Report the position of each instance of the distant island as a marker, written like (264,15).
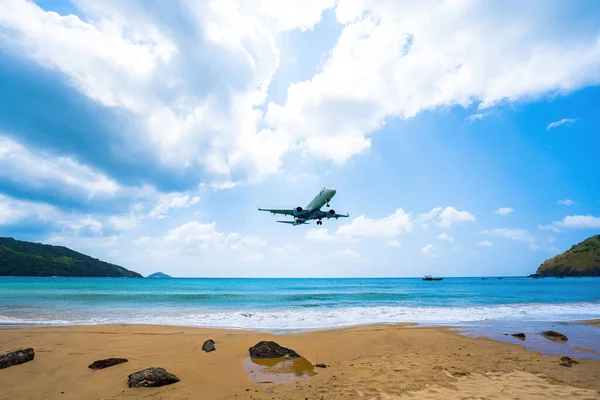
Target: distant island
(20,258)
(159,275)
(582,259)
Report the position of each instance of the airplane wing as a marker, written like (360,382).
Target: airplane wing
(276,211)
(329,214)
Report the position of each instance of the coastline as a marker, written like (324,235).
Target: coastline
(372,361)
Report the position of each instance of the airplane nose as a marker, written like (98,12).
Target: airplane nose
(332,191)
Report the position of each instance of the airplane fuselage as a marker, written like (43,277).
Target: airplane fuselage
(323,198)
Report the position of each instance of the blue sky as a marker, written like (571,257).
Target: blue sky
(461,137)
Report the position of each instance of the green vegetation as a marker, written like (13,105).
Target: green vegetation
(18,258)
(582,259)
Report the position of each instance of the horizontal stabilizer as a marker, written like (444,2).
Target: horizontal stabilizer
(292,222)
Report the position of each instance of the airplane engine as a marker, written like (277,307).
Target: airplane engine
(297,211)
(330,213)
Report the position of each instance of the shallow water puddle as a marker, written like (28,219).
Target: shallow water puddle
(278,370)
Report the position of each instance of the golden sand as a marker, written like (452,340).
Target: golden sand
(376,362)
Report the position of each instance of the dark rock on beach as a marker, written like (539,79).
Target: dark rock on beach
(555,336)
(151,377)
(209,346)
(519,335)
(320,365)
(16,357)
(268,349)
(567,362)
(107,362)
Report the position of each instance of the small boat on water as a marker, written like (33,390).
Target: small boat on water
(431,278)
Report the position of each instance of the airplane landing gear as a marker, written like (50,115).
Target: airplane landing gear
(327,204)
(319,222)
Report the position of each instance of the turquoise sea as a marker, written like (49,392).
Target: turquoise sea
(294,304)
(488,307)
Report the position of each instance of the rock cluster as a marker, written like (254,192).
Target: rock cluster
(16,357)
(269,349)
(151,377)
(107,362)
(555,336)
(567,362)
(209,346)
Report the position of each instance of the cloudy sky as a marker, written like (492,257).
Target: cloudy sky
(461,136)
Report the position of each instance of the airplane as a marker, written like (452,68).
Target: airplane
(312,210)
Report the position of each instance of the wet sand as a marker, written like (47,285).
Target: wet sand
(374,362)
(594,322)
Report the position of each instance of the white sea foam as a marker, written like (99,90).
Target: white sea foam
(319,318)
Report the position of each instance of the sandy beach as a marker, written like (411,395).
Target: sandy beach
(374,362)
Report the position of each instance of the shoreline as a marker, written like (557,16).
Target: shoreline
(380,361)
(582,333)
(427,324)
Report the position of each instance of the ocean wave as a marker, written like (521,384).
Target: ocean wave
(295,319)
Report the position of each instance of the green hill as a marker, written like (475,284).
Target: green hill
(159,275)
(18,258)
(582,259)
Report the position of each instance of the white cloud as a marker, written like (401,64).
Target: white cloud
(519,235)
(90,245)
(565,202)
(398,223)
(13,211)
(485,243)
(549,249)
(44,171)
(124,222)
(476,117)
(398,59)
(10,211)
(564,121)
(128,56)
(290,15)
(393,225)
(445,236)
(194,237)
(451,214)
(392,59)
(549,228)
(503,211)
(110,65)
(249,242)
(446,216)
(83,224)
(579,221)
(428,216)
(170,201)
(428,250)
(224,185)
(321,235)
